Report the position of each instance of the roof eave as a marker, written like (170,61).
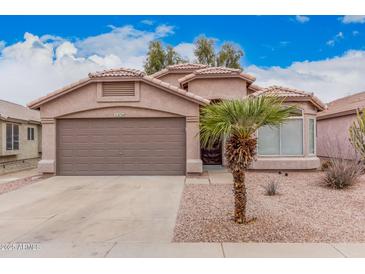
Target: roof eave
(160,73)
(53,95)
(19,120)
(177,91)
(325,116)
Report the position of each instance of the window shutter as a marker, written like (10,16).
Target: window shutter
(119,89)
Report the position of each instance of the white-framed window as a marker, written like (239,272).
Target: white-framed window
(312,136)
(30,133)
(284,140)
(12,137)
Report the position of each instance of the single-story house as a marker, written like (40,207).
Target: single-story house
(20,137)
(123,122)
(333,126)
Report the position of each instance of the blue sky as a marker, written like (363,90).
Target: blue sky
(267,40)
(306,52)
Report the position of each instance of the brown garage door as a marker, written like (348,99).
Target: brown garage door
(127,146)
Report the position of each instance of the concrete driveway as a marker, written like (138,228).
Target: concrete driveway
(88,216)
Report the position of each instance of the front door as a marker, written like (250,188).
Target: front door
(212,156)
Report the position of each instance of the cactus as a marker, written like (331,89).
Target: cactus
(357,134)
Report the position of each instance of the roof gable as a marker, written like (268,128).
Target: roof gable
(116,74)
(291,93)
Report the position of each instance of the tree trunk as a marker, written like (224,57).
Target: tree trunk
(240,153)
(240,199)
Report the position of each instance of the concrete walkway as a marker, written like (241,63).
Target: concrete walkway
(120,217)
(5,178)
(186,250)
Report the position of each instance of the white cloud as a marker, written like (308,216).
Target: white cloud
(2,44)
(339,36)
(330,43)
(65,49)
(186,50)
(348,19)
(127,42)
(284,43)
(302,19)
(147,22)
(164,30)
(355,33)
(38,65)
(328,79)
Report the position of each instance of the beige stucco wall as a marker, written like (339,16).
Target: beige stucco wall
(224,88)
(2,136)
(333,137)
(153,102)
(306,161)
(28,149)
(173,78)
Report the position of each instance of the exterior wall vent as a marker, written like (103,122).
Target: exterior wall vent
(118,89)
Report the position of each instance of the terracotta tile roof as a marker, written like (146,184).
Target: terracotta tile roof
(217,71)
(184,67)
(255,88)
(290,93)
(283,91)
(120,72)
(346,105)
(19,112)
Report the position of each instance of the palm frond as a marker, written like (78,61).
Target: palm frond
(241,117)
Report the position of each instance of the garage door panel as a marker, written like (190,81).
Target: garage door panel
(108,154)
(131,146)
(125,169)
(126,149)
(141,131)
(125,160)
(105,141)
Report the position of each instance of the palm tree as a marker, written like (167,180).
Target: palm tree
(236,122)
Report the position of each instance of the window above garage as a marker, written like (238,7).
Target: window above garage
(121,91)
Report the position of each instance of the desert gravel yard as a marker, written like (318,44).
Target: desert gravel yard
(303,211)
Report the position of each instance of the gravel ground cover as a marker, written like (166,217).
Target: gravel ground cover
(14,185)
(303,211)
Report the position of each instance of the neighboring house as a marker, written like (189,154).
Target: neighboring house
(123,122)
(20,137)
(333,126)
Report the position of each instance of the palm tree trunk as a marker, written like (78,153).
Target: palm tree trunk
(240,153)
(240,198)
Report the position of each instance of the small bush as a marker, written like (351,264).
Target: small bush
(271,188)
(342,173)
